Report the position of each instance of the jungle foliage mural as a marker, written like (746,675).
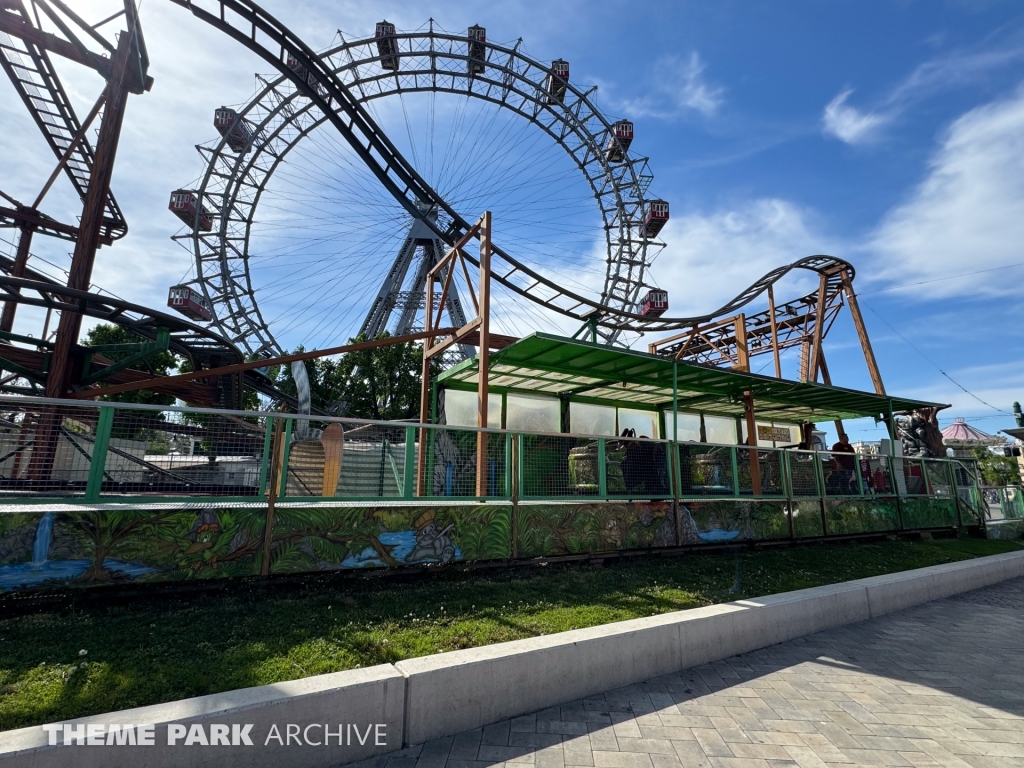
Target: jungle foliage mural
(93,547)
(102,547)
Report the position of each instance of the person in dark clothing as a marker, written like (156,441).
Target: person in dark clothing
(644,466)
(843,466)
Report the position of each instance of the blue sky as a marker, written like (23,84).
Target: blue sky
(890,134)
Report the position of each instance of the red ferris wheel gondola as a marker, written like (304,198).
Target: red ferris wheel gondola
(185,204)
(655,218)
(233,128)
(190,302)
(655,304)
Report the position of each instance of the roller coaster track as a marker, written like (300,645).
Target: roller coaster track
(264,35)
(30,70)
(713,338)
(200,346)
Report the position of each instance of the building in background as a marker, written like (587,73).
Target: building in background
(867,447)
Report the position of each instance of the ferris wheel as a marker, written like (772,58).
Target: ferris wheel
(296,242)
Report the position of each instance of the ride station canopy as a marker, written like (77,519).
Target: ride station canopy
(543,364)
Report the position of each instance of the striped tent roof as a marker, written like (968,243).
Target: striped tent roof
(962,433)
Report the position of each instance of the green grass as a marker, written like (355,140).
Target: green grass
(164,648)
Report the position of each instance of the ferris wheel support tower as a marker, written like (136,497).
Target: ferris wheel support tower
(392,300)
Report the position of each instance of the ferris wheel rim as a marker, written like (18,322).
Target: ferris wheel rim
(241,301)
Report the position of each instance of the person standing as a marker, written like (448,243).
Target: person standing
(843,467)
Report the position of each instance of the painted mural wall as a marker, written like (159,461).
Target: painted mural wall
(92,548)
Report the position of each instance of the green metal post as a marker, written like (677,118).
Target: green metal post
(675,400)
(282,490)
(860,476)
(819,480)
(892,467)
(954,491)
(508,466)
(520,473)
(265,464)
(896,489)
(98,463)
(735,473)
(673,451)
(602,469)
(409,472)
(787,485)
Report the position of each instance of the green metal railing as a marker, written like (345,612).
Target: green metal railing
(89,453)
(1004,503)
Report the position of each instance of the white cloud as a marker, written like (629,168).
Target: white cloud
(848,123)
(679,86)
(967,214)
(711,257)
(959,68)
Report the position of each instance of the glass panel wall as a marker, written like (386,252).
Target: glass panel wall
(720,430)
(687,426)
(526,413)
(460,409)
(644,422)
(588,419)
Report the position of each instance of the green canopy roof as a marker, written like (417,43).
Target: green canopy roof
(542,364)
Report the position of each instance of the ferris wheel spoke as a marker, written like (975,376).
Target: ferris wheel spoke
(313,234)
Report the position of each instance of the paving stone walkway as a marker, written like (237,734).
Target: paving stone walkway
(941,684)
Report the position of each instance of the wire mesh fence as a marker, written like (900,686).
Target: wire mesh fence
(804,469)
(913,476)
(449,465)
(116,451)
(769,469)
(552,466)
(840,472)
(637,468)
(938,478)
(174,453)
(876,475)
(46,450)
(706,470)
(1005,503)
(350,460)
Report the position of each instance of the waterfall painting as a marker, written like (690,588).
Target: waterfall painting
(41,569)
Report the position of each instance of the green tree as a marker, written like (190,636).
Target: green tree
(380,383)
(997,470)
(158,363)
(323,381)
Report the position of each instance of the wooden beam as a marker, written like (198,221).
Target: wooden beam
(862,334)
(18,270)
(428,322)
(686,344)
(459,337)
(25,216)
(805,360)
(742,350)
(15,27)
(71,148)
(819,327)
(825,377)
(149,382)
(755,464)
(775,332)
(82,260)
(484,355)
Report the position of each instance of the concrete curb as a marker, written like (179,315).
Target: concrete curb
(358,697)
(422,699)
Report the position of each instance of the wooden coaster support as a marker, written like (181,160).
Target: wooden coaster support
(479,328)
